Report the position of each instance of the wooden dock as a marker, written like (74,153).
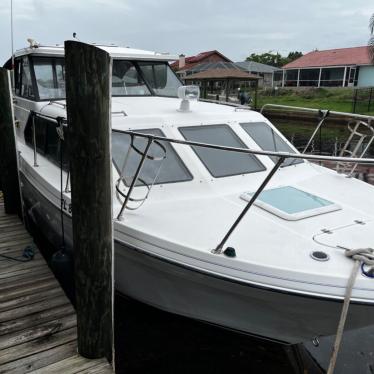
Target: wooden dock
(37,321)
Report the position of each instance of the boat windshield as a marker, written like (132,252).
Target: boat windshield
(50,77)
(143,78)
(160,78)
(129,78)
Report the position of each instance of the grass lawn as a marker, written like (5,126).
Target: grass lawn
(337,99)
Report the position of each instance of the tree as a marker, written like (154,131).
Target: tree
(274,59)
(371,40)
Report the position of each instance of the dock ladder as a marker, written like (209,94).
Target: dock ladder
(361,133)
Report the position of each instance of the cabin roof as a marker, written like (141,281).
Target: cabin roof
(114,51)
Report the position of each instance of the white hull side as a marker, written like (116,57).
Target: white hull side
(286,317)
(280,316)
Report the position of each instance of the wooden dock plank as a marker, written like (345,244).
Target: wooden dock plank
(71,365)
(43,330)
(38,345)
(37,322)
(33,319)
(33,303)
(42,359)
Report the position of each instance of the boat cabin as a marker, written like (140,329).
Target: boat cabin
(144,99)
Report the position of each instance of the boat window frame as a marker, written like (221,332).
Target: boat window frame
(164,63)
(41,149)
(19,61)
(37,98)
(242,143)
(53,60)
(139,71)
(286,163)
(191,175)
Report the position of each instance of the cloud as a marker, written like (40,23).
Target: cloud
(235,28)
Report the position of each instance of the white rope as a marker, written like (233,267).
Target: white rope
(366,256)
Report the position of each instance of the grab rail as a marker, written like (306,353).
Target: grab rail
(281,155)
(363,161)
(312,110)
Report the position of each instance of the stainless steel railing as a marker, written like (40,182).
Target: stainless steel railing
(312,110)
(282,156)
(358,119)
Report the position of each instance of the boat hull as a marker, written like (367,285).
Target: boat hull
(176,288)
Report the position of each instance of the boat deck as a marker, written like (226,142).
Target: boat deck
(37,321)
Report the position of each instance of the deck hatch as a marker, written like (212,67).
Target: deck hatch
(291,203)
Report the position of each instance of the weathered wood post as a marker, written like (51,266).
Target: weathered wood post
(88,97)
(8,153)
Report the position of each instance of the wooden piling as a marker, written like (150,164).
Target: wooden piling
(8,153)
(88,96)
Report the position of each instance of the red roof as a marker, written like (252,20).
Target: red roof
(332,57)
(194,60)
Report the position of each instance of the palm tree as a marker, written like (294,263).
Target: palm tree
(371,40)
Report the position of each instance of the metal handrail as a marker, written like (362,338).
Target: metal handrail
(312,110)
(324,115)
(286,155)
(281,155)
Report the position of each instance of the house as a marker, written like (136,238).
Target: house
(263,71)
(184,65)
(344,67)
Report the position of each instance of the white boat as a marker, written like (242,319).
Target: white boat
(281,274)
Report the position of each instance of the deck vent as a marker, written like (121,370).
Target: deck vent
(319,256)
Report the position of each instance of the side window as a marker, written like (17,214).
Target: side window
(40,134)
(17,76)
(47,141)
(269,140)
(172,168)
(221,163)
(26,89)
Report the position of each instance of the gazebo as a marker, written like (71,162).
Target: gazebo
(217,80)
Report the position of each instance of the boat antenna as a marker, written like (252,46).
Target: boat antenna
(12,39)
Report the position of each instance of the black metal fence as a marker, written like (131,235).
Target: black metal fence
(363,100)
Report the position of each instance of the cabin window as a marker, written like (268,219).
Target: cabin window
(160,78)
(126,81)
(47,140)
(17,76)
(221,163)
(268,140)
(50,77)
(24,86)
(172,167)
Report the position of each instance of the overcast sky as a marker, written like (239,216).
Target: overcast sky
(235,28)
